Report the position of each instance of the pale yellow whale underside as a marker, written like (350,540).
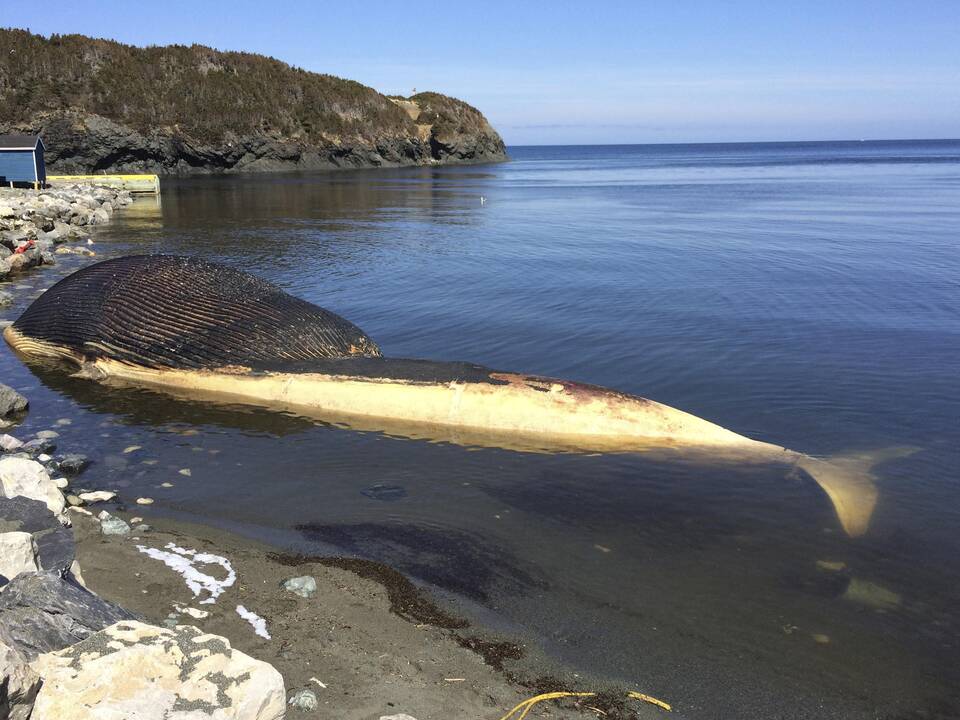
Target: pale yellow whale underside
(521,412)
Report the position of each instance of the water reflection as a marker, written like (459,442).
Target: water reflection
(144,407)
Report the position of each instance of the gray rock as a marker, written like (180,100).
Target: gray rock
(46,611)
(304,586)
(5,299)
(305,700)
(73,464)
(111,525)
(39,446)
(55,545)
(48,434)
(13,238)
(11,402)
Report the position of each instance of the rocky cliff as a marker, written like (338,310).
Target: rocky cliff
(103,106)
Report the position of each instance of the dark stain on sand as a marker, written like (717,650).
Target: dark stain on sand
(459,563)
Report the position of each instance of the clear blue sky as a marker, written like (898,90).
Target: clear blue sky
(595,72)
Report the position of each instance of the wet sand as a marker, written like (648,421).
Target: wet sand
(368,643)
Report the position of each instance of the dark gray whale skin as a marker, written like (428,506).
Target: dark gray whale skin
(167,311)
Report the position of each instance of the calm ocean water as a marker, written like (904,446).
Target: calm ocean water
(805,294)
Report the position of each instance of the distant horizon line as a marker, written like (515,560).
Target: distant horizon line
(738,142)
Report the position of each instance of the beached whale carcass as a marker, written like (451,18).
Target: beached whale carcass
(188,325)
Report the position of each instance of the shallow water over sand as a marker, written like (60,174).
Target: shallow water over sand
(802,294)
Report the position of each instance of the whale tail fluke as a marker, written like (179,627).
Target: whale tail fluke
(849,483)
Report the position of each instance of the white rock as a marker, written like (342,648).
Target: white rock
(144,501)
(401,716)
(18,553)
(28,478)
(61,482)
(9,442)
(75,571)
(97,496)
(18,684)
(134,670)
(192,612)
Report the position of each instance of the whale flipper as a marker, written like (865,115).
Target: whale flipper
(163,311)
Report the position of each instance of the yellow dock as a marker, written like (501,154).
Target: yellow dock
(133,183)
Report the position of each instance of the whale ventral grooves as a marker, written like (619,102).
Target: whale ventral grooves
(167,311)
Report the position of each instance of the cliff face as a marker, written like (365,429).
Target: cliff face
(103,106)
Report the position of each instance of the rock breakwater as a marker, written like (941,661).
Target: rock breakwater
(65,652)
(37,226)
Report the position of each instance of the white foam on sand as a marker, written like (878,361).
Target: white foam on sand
(185,560)
(258,623)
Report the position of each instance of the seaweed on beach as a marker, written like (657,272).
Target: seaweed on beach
(493,652)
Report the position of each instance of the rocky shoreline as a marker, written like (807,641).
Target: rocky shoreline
(35,226)
(64,649)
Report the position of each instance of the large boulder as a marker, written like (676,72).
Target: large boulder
(55,544)
(11,402)
(138,671)
(18,554)
(21,476)
(47,611)
(19,684)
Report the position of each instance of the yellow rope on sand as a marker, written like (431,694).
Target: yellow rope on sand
(649,699)
(527,705)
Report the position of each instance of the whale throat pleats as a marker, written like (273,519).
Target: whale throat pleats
(167,311)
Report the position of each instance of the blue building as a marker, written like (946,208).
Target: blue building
(21,160)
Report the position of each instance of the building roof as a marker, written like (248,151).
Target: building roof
(19,142)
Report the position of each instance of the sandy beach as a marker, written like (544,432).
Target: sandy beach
(368,643)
